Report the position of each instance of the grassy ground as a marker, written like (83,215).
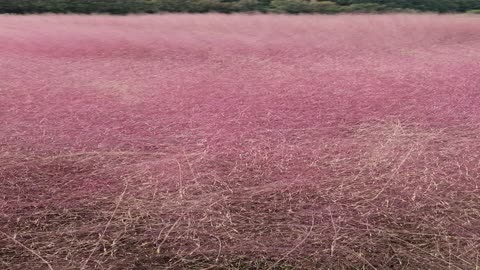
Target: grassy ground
(240,142)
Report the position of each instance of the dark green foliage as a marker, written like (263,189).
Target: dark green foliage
(366,8)
(421,5)
(263,5)
(228,6)
(81,6)
(291,6)
(327,7)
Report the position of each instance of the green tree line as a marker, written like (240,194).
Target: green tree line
(230,6)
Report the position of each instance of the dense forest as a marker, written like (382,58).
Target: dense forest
(229,6)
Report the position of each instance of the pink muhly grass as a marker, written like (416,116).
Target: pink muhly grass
(240,142)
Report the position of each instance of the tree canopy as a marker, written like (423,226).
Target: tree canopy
(229,6)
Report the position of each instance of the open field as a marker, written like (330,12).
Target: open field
(240,142)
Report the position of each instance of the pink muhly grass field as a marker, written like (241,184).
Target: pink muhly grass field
(240,142)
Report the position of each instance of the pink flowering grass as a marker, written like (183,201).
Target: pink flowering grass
(240,142)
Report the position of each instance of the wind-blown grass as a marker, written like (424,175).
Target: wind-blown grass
(240,142)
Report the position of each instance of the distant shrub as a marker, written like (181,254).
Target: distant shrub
(474,11)
(263,5)
(402,10)
(203,6)
(326,7)
(366,8)
(245,5)
(291,6)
